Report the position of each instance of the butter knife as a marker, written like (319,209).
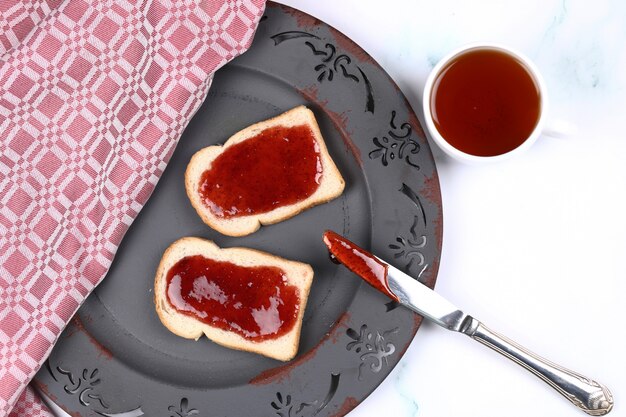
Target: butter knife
(588,395)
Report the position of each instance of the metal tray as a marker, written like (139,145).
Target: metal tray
(116,359)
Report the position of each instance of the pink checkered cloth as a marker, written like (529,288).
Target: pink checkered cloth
(94,95)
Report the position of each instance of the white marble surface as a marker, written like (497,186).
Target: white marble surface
(534,246)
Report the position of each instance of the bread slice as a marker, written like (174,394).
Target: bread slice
(330,187)
(299,274)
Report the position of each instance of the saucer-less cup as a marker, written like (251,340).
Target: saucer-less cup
(563,130)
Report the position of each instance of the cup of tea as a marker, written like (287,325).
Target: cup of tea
(485,102)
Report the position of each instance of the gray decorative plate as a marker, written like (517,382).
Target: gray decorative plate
(116,359)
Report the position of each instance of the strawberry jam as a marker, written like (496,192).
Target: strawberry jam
(278,167)
(359,261)
(254,302)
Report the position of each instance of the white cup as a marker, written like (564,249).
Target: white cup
(563,130)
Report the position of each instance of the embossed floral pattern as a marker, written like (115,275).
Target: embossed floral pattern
(409,249)
(373,348)
(397,144)
(183,409)
(285,406)
(332,62)
(83,385)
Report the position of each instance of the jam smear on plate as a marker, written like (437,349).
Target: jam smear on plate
(255,302)
(278,167)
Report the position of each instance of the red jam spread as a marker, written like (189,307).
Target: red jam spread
(278,167)
(254,302)
(359,261)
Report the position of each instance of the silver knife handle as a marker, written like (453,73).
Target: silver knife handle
(590,396)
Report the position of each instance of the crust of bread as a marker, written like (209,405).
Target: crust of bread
(331,185)
(299,274)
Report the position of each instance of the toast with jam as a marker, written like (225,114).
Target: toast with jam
(240,298)
(263,174)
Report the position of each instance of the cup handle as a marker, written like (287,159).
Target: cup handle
(560,129)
